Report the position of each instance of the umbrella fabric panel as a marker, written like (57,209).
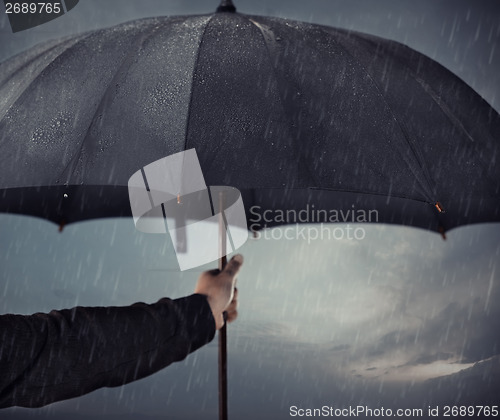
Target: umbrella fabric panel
(17,77)
(447,124)
(237,122)
(143,115)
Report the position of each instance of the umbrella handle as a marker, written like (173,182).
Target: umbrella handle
(223,371)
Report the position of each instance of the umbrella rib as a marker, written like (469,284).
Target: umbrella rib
(427,88)
(346,191)
(374,193)
(448,113)
(454,120)
(127,61)
(430,187)
(188,117)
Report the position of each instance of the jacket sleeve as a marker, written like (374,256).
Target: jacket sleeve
(68,353)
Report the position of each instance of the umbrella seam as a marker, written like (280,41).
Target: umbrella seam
(447,112)
(290,124)
(195,65)
(430,187)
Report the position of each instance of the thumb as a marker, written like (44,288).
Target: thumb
(233,266)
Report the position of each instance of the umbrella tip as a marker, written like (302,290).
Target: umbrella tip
(439,207)
(442,232)
(226,6)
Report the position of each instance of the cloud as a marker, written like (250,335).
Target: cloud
(430,358)
(478,383)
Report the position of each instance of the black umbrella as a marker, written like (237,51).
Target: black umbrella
(340,125)
(290,113)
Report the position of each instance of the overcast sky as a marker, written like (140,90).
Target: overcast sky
(398,319)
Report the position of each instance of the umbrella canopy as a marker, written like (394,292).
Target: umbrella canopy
(296,116)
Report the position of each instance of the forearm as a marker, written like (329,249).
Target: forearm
(64,354)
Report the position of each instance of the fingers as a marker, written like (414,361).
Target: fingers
(219,288)
(231,312)
(233,266)
(231,316)
(232,309)
(214,272)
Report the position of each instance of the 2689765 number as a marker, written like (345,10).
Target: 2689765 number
(25,8)
(470,411)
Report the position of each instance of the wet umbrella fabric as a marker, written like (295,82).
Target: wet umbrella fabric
(296,116)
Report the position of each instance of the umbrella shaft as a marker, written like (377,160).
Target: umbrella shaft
(222,331)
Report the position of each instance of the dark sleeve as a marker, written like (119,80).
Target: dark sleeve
(64,354)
